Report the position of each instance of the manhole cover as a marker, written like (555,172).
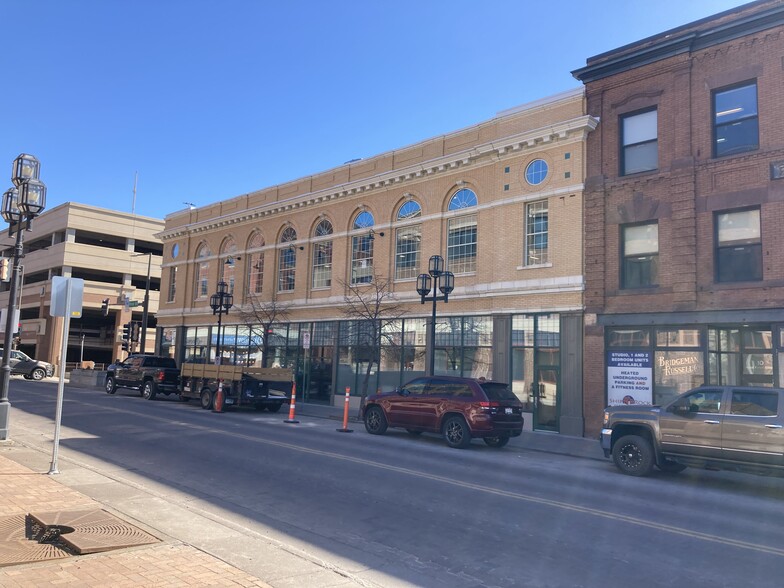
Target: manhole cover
(54,535)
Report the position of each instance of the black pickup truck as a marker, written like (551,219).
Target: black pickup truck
(149,374)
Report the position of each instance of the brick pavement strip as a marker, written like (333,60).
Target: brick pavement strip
(159,565)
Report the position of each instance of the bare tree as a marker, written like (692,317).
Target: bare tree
(373,305)
(260,316)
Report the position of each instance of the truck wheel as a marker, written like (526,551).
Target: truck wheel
(633,455)
(148,390)
(274,407)
(111,386)
(206,399)
(38,374)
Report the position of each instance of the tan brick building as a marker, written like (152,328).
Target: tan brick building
(684,210)
(501,201)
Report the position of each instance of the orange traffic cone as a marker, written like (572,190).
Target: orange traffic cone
(293,402)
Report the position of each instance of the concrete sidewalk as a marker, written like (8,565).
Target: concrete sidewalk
(28,489)
(165,563)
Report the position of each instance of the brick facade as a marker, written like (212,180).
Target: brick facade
(677,73)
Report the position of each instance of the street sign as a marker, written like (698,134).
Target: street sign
(70,288)
(306,340)
(133,303)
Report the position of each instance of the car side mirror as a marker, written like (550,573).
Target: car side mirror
(679,409)
(403,392)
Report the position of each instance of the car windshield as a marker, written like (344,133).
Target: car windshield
(497,391)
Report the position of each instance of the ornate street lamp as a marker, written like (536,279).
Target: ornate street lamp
(220,303)
(439,280)
(20,206)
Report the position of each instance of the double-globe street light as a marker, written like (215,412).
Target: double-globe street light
(220,303)
(436,279)
(21,204)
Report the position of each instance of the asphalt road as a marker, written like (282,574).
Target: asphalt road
(304,505)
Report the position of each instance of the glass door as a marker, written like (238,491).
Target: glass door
(546,395)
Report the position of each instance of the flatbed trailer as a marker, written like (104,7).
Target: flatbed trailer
(261,388)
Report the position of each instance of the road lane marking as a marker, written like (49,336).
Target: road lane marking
(478,487)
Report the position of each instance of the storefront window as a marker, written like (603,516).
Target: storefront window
(676,372)
(628,338)
(169,342)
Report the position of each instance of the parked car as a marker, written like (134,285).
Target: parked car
(149,374)
(30,368)
(460,409)
(712,427)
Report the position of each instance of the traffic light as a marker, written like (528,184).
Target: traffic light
(5,269)
(126,337)
(105,307)
(135,328)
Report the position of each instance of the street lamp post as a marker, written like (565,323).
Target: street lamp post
(439,280)
(220,303)
(21,204)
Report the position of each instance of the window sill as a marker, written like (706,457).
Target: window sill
(534,266)
(320,289)
(739,284)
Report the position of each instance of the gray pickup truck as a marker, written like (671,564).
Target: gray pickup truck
(713,427)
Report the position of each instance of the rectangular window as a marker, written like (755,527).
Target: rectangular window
(735,120)
(287,267)
(362,259)
(203,269)
(255,273)
(461,244)
(640,142)
(536,233)
(172,284)
(408,243)
(738,246)
(640,252)
(322,264)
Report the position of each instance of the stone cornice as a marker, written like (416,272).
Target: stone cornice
(574,129)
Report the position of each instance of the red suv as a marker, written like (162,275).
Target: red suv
(458,408)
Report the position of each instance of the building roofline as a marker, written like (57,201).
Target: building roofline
(514,111)
(684,39)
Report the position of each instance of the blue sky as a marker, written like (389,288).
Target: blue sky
(208,100)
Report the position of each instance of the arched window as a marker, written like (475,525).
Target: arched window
(287,260)
(254,263)
(322,255)
(408,241)
(202,271)
(463,198)
(362,249)
(462,234)
(227,261)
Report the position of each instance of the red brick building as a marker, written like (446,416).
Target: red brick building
(684,211)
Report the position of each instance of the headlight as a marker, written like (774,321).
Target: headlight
(606,418)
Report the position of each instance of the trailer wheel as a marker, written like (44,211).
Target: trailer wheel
(206,399)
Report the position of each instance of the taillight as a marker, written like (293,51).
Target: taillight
(161,376)
(489,405)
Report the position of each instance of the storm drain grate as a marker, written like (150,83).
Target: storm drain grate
(54,535)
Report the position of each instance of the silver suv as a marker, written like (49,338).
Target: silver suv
(30,368)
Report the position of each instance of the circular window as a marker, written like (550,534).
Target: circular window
(536,172)
(175,250)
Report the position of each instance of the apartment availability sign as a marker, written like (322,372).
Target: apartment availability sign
(629,377)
